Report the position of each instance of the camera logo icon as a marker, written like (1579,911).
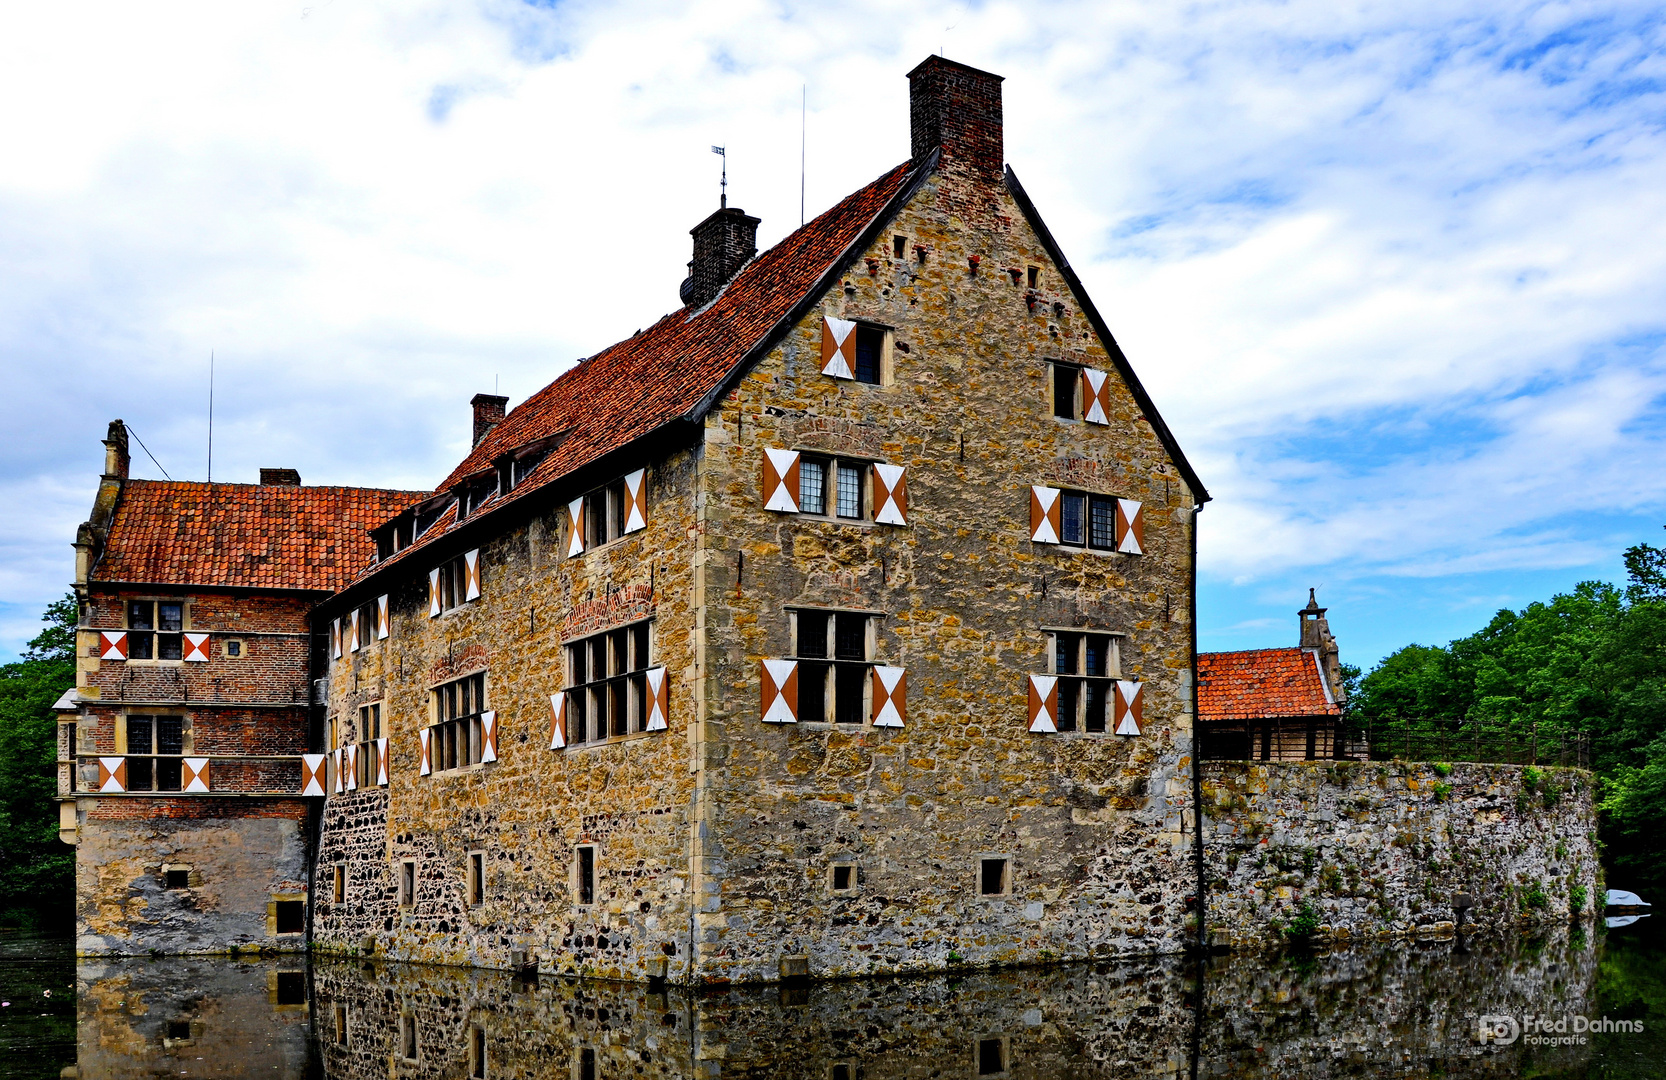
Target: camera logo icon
(1497,1030)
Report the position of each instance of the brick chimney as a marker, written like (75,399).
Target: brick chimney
(280,478)
(958,108)
(722,244)
(488,413)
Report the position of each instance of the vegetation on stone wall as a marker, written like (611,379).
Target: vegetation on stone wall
(37,870)
(1588,663)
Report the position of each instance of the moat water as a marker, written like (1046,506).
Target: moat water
(1402,1010)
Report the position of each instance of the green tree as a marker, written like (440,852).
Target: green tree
(37,870)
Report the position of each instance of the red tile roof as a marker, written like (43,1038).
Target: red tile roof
(667,371)
(268,536)
(1260,683)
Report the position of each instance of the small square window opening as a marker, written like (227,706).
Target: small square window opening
(870,354)
(844,878)
(178,879)
(407,883)
(993,877)
(899,246)
(1035,276)
(1067,380)
(234,648)
(290,916)
(992,1053)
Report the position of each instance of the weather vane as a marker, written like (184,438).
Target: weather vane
(723,198)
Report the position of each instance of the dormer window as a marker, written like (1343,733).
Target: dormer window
(522,467)
(429,513)
(393,537)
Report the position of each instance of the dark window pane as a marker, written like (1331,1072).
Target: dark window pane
(1064,653)
(639,701)
(576,728)
(586,875)
(598,658)
(850,490)
(575,658)
(139,737)
(1069,693)
(617,698)
(849,681)
(595,514)
(639,647)
(140,615)
(141,646)
(1065,379)
(852,637)
(172,617)
(167,774)
(812,486)
(170,735)
(178,879)
(291,916)
(480,692)
(1098,654)
(168,646)
(812,692)
(1097,692)
(620,651)
(139,774)
(1102,523)
(870,344)
(616,506)
(1072,512)
(812,633)
(993,878)
(990,1058)
(292,988)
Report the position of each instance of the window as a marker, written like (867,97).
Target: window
(586,873)
(366,625)
(473,496)
(1067,383)
(899,246)
(452,585)
(155,629)
(341,1025)
(839,483)
(1087,520)
(607,684)
(407,883)
(844,878)
(477,1052)
(587,1063)
(370,730)
(455,738)
(232,648)
(154,746)
(70,752)
(520,468)
(992,1053)
(1035,276)
(870,354)
(1088,665)
(835,651)
(994,876)
(290,916)
(477,877)
(292,988)
(408,1037)
(604,514)
(177,877)
(179,1030)
(339,892)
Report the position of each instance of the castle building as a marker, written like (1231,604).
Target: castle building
(179,771)
(839,622)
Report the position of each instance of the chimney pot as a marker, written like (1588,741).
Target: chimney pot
(722,245)
(488,413)
(116,460)
(957,108)
(280,478)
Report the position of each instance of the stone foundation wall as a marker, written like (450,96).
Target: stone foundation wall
(1379,849)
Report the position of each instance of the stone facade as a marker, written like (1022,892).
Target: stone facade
(1381,849)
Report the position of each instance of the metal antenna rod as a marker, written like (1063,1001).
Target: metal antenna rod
(210,417)
(803,130)
(723,199)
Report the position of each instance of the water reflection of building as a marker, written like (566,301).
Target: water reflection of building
(1366,1012)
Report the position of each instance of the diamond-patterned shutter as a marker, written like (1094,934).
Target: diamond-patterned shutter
(196,648)
(193,774)
(1130,707)
(423,766)
(314,773)
(1044,515)
(382,762)
(112,774)
(636,500)
(112,646)
(1130,527)
(658,699)
(779,682)
(1044,702)
(781,480)
(558,721)
(890,495)
(488,736)
(1096,396)
(350,767)
(575,519)
(351,629)
(335,639)
(838,348)
(382,626)
(890,689)
(335,771)
(471,574)
(433,592)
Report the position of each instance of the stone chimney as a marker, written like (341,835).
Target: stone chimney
(488,413)
(116,459)
(1316,635)
(722,245)
(280,478)
(958,108)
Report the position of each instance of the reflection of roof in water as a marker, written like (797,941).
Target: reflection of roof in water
(1622,920)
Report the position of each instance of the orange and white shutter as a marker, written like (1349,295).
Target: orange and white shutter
(112,646)
(890,689)
(575,518)
(1130,527)
(350,767)
(351,626)
(112,774)
(781,480)
(1130,707)
(1044,515)
(471,574)
(335,639)
(193,774)
(558,721)
(382,626)
(838,348)
(658,699)
(433,592)
(1044,703)
(779,682)
(196,648)
(636,500)
(488,736)
(890,495)
(423,765)
(1096,396)
(315,773)
(381,762)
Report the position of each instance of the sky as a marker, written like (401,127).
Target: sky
(1392,272)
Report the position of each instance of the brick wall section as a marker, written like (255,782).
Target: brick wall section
(1380,848)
